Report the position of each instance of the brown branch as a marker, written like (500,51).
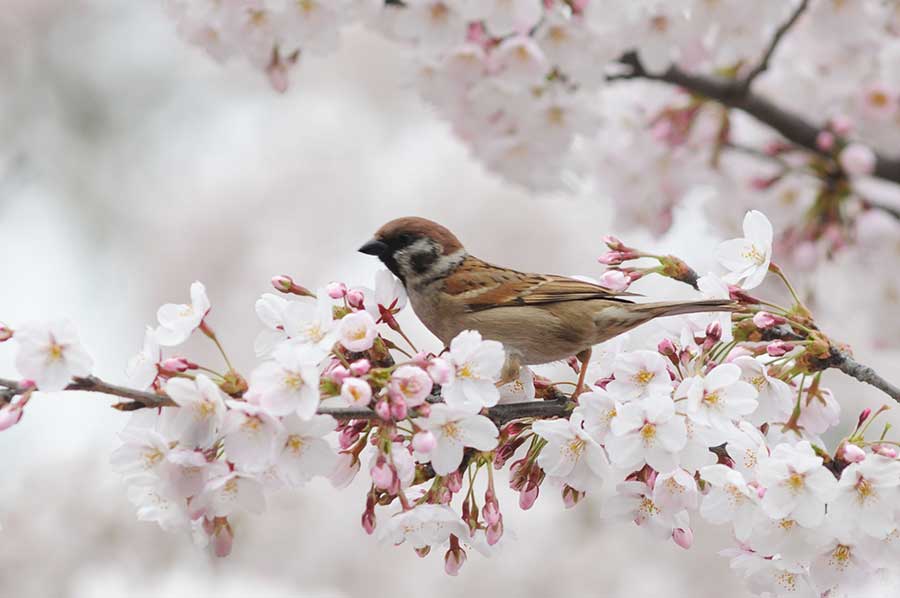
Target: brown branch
(735,94)
(763,64)
(844,362)
(499,414)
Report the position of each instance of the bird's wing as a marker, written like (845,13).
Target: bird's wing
(479,285)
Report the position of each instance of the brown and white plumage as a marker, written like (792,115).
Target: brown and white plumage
(539,318)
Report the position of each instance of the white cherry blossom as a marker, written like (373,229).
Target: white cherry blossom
(867,497)
(249,433)
(718,398)
(476,367)
(638,375)
(141,370)
(230,493)
(178,321)
(570,454)
(730,500)
(747,259)
(648,432)
(304,451)
(201,410)
(357,331)
(289,382)
(51,354)
(796,484)
(425,525)
(311,322)
(453,431)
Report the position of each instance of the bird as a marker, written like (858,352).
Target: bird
(538,318)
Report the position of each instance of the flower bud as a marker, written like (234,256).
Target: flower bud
(571,496)
(491,512)
(424,442)
(454,559)
(841,125)
(667,347)
(778,348)
(355,299)
(454,482)
(338,374)
(348,437)
(614,243)
(336,290)
(424,410)
(10,416)
(398,410)
(222,537)
(383,409)
(863,416)
(440,370)
(714,332)
(382,474)
(857,159)
(764,320)
(825,141)
(423,551)
(615,280)
(528,495)
(177,364)
(368,521)
(616,258)
(885,451)
(494,532)
(285,284)
(683,537)
(6,333)
(851,453)
(360,367)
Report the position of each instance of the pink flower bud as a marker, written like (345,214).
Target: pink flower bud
(683,537)
(440,370)
(382,474)
(422,551)
(571,496)
(825,141)
(360,367)
(454,482)
(738,352)
(177,364)
(345,470)
(454,560)
(528,495)
(863,416)
(399,410)
(10,416)
(852,453)
(339,373)
(714,332)
(778,348)
(615,280)
(736,293)
(355,299)
(667,347)
(368,522)
(857,159)
(841,125)
(494,532)
(424,442)
(763,320)
(885,451)
(286,284)
(348,437)
(222,538)
(491,512)
(614,243)
(336,290)
(424,410)
(6,333)
(616,258)
(383,409)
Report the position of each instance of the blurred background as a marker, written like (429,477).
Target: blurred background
(131,165)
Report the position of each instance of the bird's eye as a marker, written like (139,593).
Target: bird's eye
(404,238)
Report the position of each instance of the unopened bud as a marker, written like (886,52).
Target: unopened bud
(571,496)
(423,551)
(714,332)
(368,521)
(440,370)
(825,141)
(424,410)
(454,560)
(841,125)
(360,367)
(6,333)
(736,293)
(286,284)
(339,373)
(885,451)
(177,364)
(424,442)
(336,290)
(494,532)
(454,482)
(348,437)
(667,347)
(383,409)
(764,320)
(528,495)
(382,474)
(863,416)
(615,280)
(778,348)
(355,299)
(683,537)
(399,410)
(10,416)
(615,244)
(222,537)
(851,453)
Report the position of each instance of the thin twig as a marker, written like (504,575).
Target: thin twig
(499,414)
(763,64)
(844,362)
(733,94)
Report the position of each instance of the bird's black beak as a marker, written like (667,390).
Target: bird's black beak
(374,247)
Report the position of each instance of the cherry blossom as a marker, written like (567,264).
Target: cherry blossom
(412,384)
(476,366)
(453,431)
(731,500)
(230,493)
(638,375)
(311,322)
(425,525)
(866,499)
(202,410)
(51,354)
(289,382)
(249,435)
(796,484)
(646,432)
(747,259)
(357,331)
(719,397)
(141,370)
(570,454)
(305,452)
(178,321)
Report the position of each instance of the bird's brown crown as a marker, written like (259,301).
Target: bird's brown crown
(414,227)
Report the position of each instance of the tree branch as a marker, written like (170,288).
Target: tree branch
(844,362)
(735,94)
(499,414)
(763,64)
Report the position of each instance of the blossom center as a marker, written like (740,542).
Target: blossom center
(295,444)
(758,382)
(787,524)
(252,423)
(451,430)
(55,353)
(574,448)
(878,98)
(795,482)
(231,486)
(648,433)
(711,398)
(205,409)
(465,372)
(152,457)
(648,507)
(840,556)
(753,254)
(864,490)
(439,11)
(293,380)
(643,377)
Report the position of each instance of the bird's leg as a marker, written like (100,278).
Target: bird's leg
(511,369)
(584,357)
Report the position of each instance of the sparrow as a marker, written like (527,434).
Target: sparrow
(539,318)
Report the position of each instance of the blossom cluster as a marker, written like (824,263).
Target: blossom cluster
(723,419)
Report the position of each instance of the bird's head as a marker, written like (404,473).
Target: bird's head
(415,248)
